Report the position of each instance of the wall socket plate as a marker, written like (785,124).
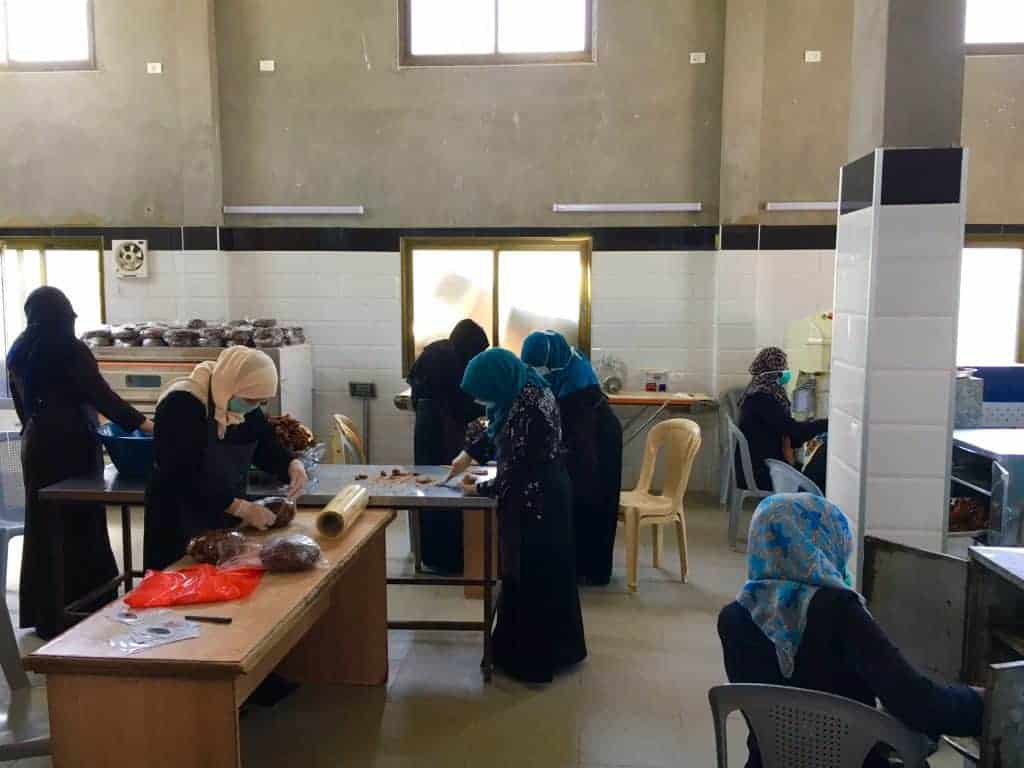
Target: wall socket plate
(698,57)
(267,65)
(154,68)
(364,390)
(812,57)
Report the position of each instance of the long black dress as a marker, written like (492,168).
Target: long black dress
(181,502)
(764,421)
(540,623)
(844,652)
(59,442)
(593,438)
(443,411)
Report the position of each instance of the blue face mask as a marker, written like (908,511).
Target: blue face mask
(784,377)
(238,405)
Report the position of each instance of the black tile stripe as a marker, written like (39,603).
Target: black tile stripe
(798,238)
(858,184)
(199,238)
(739,237)
(921,176)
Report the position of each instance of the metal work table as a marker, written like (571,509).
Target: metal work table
(329,479)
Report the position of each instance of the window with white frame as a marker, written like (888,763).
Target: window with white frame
(438,32)
(46,34)
(994,22)
(989,321)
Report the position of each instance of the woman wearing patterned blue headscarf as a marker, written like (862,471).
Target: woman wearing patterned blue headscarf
(798,622)
(540,624)
(593,439)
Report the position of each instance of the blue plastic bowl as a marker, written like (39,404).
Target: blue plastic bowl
(131,452)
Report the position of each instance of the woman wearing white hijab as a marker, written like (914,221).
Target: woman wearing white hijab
(209,430)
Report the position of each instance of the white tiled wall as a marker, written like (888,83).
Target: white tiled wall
(181,285)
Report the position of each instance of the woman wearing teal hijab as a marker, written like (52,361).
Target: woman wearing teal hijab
(593,439)
(540,625)
(797,622)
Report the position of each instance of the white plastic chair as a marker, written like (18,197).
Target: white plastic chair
(787,479)
(737,495)
(639,507)
(797,728)
(25,730)
(729,407)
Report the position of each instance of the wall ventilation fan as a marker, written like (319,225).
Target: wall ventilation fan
(131,258)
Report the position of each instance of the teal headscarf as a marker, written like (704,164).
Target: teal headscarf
(798,544)
(496,377)
(565,369)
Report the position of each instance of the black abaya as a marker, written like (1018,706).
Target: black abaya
(593,439)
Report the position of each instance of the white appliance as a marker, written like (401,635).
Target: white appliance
(131,258)
(141,374)
(809,347)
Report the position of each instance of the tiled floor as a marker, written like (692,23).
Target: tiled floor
(639,700)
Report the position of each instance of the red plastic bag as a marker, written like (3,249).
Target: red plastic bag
(197,584)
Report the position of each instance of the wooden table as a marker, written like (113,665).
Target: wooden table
(690,402)
(177,706)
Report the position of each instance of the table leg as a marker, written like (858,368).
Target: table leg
(126,545)
(487,662)
(473,548)
(158,722)
(349,643)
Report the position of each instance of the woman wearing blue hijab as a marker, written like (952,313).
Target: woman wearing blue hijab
(798,622)
(592,436)
(57,389)
(540,625)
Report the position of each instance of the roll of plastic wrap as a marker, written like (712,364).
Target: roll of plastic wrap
(342,511)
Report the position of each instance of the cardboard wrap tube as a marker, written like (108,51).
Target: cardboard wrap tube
(342,511)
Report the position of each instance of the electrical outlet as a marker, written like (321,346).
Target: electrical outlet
(698,57)
(154,68)
(267,65)
(812,57)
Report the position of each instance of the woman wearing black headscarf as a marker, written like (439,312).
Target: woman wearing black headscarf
(443,411)
(57,390)
(766,417)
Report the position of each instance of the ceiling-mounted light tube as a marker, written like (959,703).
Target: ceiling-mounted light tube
(820,205)
(296,210)
(627,207)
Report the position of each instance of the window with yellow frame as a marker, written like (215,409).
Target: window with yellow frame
(510,287)
(990,326)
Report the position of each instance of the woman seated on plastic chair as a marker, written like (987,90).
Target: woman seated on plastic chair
(797,622)
(766,418)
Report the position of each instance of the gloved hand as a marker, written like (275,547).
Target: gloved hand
(468,486)
(254,515)
(297,479)
(459,465)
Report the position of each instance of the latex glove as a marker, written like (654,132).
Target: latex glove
(147,427)
(469,486)
(297,479)
(254,515)
(459,465)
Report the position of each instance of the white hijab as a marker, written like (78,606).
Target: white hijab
(238,372)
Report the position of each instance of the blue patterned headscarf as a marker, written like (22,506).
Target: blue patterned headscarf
(798,543)
(565,369)
(496,377)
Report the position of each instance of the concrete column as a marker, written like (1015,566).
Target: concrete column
(908,74)
(742,110)
(199,114)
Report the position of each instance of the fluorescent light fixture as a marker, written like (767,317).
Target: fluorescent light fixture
(296,210)
(820,205)
(627,207)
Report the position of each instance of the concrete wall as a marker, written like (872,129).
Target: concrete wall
(338,123)
(993,130)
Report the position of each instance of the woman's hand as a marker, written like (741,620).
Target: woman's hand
(468,486)
(297,479)
(147,427)
(459,465)
(254,515)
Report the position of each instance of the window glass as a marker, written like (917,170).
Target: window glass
(538,290)
(449,286)
(77,274)
(995,21)
(990,286)
(542,26)
(46,31)
(454,27)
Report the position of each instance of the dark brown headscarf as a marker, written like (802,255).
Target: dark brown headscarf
(765,372)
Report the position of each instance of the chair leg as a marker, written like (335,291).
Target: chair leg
(735,507)
(684,568)
(632,547)
(656,539)
(725,473)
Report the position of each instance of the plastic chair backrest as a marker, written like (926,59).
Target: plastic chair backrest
(739,442)
(787,479)
(12,482)
(349,437)
(681,438)
(731,403)
(797,728)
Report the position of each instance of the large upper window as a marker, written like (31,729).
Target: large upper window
(511,288)
(994,22)
(990,290)
(46,34)
(495,31)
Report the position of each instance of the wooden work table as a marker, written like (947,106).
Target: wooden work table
(177,705)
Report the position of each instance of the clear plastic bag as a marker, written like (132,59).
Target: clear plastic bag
(282,553)
(283,508)
(151,629)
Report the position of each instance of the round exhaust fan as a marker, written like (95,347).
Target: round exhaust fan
(131,258)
